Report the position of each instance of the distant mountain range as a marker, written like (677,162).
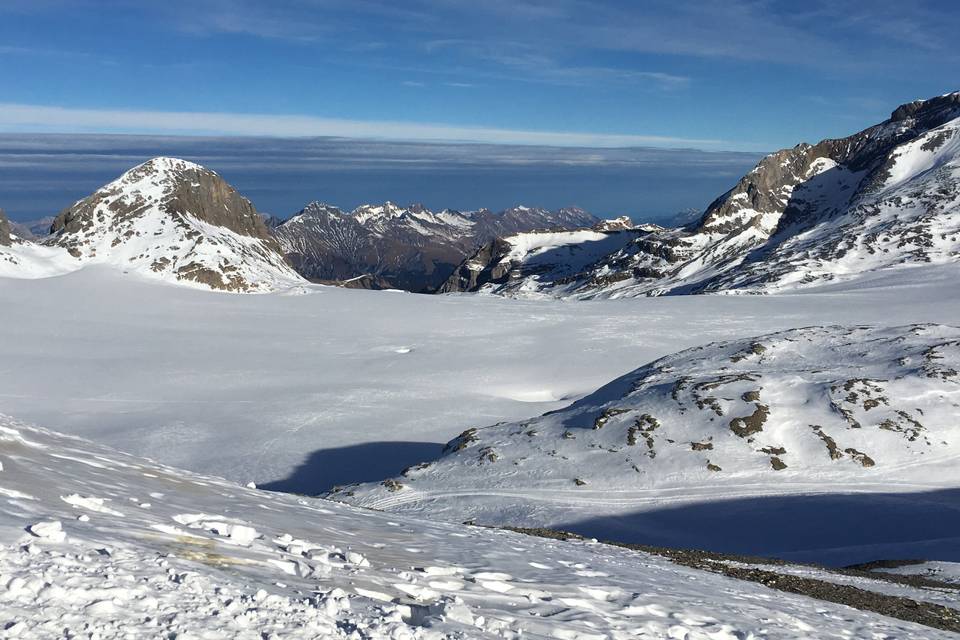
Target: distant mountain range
(412,248)
(33,229)
(174,220)
(886,197)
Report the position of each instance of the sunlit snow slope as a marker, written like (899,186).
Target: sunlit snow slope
(814,410)
(94,543)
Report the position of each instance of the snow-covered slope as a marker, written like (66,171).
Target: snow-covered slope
(409,248)
(338,386)
(820,409)
(28,260)
(173,220)
(519,263)
(21,258)
(95,543)
(885,198)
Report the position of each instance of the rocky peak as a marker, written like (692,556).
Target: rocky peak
(811,214)
(418,207)
(318,210)
(935,110)
(764,199)
(318,206)
(174,186)
(174,220)
(384,211)
(4,230)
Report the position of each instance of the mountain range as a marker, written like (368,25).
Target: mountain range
(412,248)
(884,198)
(177,221)
(842,209)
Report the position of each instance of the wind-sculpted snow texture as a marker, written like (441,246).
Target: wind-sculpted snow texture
(887,197)
(409,248)
(96,543)
(819,409)
(166,219)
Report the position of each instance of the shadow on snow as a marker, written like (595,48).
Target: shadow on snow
(832,529)
(367,462)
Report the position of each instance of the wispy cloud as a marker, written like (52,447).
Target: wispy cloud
(24,117)
(531,61)
(784,33)
(51,52)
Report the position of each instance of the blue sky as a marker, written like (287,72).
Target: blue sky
(736,75)
(352,101)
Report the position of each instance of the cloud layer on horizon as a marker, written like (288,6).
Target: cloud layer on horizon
(41,173)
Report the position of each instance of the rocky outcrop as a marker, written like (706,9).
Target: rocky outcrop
(529,264)
(4,230)
(484,266)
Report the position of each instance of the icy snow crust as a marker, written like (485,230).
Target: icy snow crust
(182,555)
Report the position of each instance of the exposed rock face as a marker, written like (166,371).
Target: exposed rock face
(175,220)
(409,248)
(4,229)
(484,266)
(810,406)
(883,197)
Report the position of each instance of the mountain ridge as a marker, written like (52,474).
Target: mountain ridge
(803,216)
